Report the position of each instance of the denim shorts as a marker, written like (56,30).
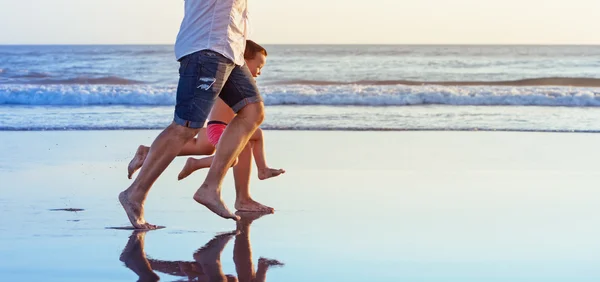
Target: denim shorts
(206,75)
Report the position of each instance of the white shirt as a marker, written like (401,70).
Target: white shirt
(217,25)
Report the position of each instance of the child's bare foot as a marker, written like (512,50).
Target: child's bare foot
(212,200)
(267,173)
(189,167)
(249,205)
(138,160)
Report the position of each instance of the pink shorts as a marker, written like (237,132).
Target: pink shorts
(214,130)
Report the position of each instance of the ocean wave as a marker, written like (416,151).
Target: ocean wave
(369,95)
(543,81)
(332,95)
(294,128)
(38,78)
(31,75)
(106,80)
(86,95)
(27,77)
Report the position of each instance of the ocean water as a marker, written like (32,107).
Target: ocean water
(315,87)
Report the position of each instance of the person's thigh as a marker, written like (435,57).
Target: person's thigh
(202,76)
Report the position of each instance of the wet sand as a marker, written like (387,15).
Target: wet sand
(353,206)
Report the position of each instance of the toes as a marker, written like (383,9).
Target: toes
(146,226)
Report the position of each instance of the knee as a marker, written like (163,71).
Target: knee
(258,135)
(254,113)
(182,132)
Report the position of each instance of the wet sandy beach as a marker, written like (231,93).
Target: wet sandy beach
(353,206)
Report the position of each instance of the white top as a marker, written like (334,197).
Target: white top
(217,25)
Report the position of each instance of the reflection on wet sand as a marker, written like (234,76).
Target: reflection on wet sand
(134,257)
(207,260)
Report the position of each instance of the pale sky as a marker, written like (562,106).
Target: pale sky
(311,21)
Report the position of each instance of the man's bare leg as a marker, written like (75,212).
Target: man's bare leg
(162,152)
(258,149)
(233,140)
(196,146)
(241,176)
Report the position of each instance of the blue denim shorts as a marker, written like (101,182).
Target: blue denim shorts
(206,75)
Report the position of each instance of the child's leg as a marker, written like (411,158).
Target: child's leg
(197,146)
(193,164)
(258,150)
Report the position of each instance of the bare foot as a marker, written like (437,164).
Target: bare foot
(135,213)
(189,167)
(213,201)
(138,160)
(267,173)
(249,205)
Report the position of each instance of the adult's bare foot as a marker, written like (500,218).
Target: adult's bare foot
(188,168)
(138,160)
(249,205)
(135,213)
(212,201)
(267,173)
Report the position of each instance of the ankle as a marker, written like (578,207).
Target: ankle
(243,198)
(135,197)
(207,187)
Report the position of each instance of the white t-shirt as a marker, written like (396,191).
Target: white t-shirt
(217,25)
